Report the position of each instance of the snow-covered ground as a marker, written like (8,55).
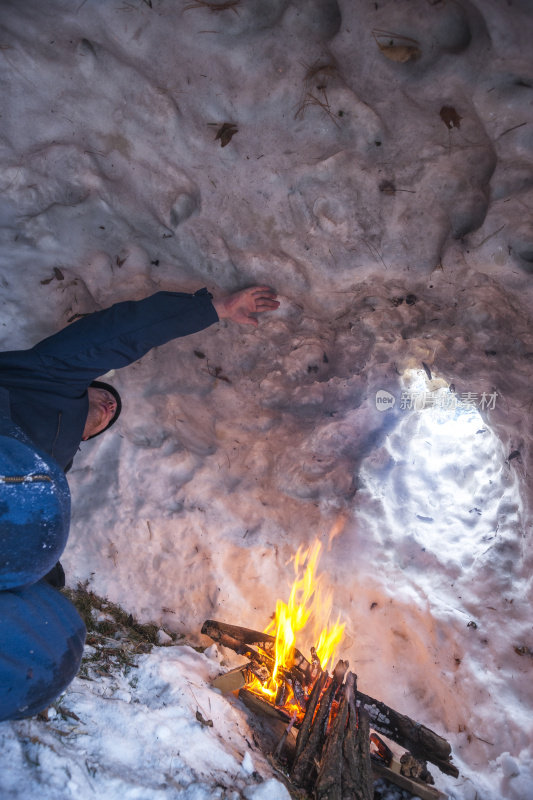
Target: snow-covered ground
(390,205)
(155,730)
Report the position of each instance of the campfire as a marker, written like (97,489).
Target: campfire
(338,751)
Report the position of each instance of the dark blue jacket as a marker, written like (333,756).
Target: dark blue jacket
(48,383)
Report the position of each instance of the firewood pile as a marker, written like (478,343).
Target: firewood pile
(338,752)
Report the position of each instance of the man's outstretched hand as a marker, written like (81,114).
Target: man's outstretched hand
(240,306)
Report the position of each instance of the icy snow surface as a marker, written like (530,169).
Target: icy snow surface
(390,206)
(158,732)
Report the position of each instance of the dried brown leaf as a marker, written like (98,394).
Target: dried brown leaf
(204,722)
(225,133)
(400,53)
(397,47)
(387,187)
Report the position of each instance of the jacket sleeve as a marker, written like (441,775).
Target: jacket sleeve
(121,334)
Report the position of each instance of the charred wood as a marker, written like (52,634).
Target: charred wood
(340,671)
(239,639)
(422,742)
(365,789)
(357,782)
(328,782)
(417,789)
(303,772)
(381,751)
(315,661)
(281,694)
(215,630)
(415,768)
(299,693)
(260,706)
(282,742)
(305,727)
(261,672)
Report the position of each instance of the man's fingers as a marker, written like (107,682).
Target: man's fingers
(263,298)
(261,291)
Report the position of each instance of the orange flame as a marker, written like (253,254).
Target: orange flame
(308,603)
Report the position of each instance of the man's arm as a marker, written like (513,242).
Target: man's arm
(117,336)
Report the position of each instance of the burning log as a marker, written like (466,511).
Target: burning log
(303,770)
(305,727)
(357,779)
(342,753)
(299,693)
(239,639)
(328,782)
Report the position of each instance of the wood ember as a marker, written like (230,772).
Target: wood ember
(381,750)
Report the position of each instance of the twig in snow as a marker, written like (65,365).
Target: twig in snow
(313,100)
(490,236)
(214,6)
(317,77)
(512,129)
(375,252)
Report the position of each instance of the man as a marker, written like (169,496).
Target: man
(41,633)
(52,390)
(49,403)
